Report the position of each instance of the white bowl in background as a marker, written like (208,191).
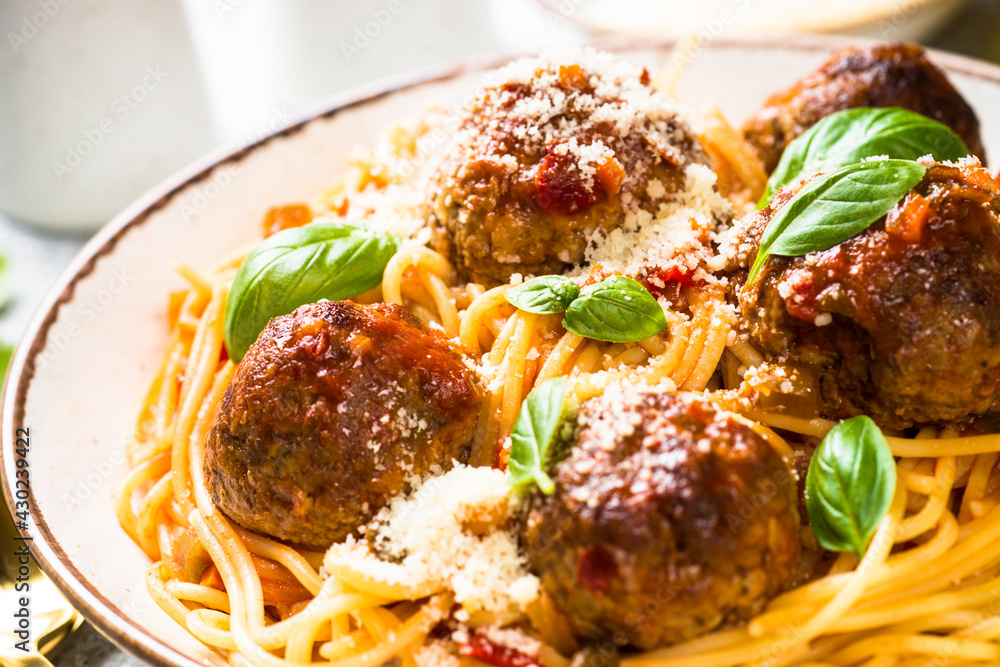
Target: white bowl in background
(709,20)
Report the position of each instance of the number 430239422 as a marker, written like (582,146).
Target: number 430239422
(21,484)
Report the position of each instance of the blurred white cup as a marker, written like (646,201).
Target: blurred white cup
(99,101)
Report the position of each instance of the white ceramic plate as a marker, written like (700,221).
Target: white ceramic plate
(89,354)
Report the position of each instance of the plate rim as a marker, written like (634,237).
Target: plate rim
(101,612)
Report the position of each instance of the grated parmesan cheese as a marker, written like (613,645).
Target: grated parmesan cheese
(678,239)
(451,531)
(438,653)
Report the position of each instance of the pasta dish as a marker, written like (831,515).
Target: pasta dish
(572,374)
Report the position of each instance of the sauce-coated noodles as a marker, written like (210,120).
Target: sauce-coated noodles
(926,592)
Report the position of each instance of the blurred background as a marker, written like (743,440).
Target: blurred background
(100,100)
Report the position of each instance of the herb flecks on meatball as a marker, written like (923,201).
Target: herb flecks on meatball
(902,321)
(669,519)
(332,412)
(886,75)
(560,150)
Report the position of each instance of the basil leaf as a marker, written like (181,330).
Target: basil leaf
(6,353)
(850,484)
(835,207)
(545,294)
(616,310)
(852,135)
(4,289)
(322,260)
(532,446)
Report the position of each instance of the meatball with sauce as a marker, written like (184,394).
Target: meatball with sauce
(901,322)
(669,518)
(886,75)
(560,151)
(334,409)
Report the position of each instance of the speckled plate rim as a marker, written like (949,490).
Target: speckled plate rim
(109,619)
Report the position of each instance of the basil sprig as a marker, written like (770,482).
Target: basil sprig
(322,260)
(850,136)
(545,294)
(835,207)
(534,442)
(850,484)
(614,310)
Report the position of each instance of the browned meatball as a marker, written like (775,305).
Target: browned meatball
(902,322)
(888,75)
(334,409)
(561,149)
(669,519)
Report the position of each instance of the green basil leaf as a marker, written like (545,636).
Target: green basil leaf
(6,352)
(849,486)
(533,446)
(835,207)
(852,135)
(4,289)
(545,294)
(616,310)
(322,260)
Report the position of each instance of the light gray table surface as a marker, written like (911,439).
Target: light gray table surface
(37,258)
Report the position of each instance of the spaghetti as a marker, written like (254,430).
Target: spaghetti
(349,614)
(927,592)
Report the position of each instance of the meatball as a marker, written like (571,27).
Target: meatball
(669,519)
(330,414)
(888,75)
(901,322)
(560,151)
